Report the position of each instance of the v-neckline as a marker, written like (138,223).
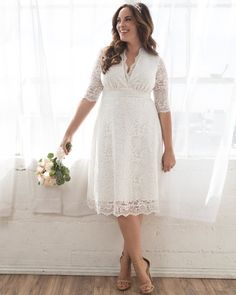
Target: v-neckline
(132,66)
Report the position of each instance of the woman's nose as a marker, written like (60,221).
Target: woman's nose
(122,23)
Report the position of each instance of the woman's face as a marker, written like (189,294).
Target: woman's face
(126,25)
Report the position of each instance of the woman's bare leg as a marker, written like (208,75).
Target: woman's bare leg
(130,227)
(125,250)
(140,216)
(125,263)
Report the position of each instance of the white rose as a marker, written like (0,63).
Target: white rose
(60,153)
(40,179)
(49,181)
(48,166)
(39,169)
(42,163)
(46,175)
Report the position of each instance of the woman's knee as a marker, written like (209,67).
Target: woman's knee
(129,218)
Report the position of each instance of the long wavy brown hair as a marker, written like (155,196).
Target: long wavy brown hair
(112,53)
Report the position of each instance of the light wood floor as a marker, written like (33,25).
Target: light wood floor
(96,285)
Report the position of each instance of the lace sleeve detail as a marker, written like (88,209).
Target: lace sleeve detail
(160,90)
(95,87)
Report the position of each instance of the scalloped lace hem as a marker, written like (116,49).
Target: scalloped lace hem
(119,208)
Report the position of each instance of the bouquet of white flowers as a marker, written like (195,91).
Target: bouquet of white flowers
(51,171)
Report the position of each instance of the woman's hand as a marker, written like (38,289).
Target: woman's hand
(66,144)
(168,160)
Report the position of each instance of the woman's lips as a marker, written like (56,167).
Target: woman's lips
(123,33)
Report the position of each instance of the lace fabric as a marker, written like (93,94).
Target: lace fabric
(119,208)
(125,163)
(95,87)
(160,90)
(129,70)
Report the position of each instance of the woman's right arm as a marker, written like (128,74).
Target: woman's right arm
(82,111)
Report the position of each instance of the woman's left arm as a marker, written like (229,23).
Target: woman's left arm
(168,158)
(160,92)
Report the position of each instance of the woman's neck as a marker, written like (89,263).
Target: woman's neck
(133,48)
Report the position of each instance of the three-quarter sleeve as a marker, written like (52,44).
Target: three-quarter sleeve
(95,85)
(160,90)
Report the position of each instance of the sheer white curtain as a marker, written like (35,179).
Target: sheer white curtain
(197,40)
(47,53)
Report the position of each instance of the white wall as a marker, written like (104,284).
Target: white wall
(91,245)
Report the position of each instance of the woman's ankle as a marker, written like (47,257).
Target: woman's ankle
(140,267)
(126,254)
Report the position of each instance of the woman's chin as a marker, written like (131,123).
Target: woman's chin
(123,39)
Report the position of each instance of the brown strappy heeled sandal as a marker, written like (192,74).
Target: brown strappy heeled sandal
(123,284)
(148,287)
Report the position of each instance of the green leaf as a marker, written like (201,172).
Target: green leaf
(50,155)
(52,172)
(60,181)
(59,174)
(67,178)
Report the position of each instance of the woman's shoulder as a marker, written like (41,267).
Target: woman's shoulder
(152,58)
(151,55)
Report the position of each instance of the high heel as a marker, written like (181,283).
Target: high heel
(123,284)
(147,287)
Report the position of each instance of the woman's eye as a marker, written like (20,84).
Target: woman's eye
(127,19)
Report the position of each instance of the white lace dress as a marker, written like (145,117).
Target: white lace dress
(125,163)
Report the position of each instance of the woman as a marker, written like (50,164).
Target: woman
(127,148)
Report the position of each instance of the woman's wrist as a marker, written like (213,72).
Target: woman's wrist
(169,149)
(68,133)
